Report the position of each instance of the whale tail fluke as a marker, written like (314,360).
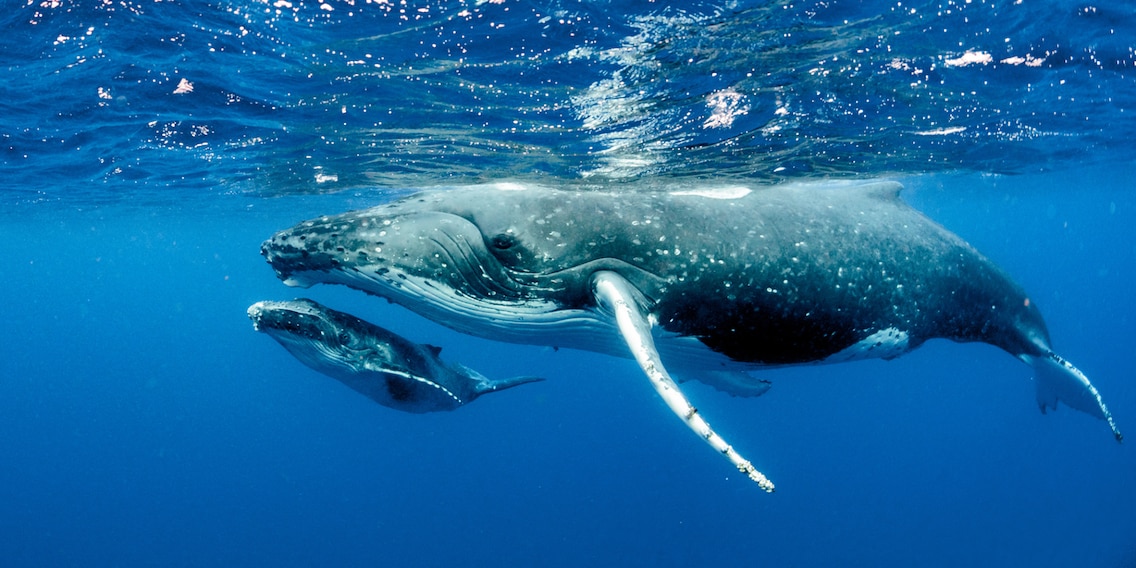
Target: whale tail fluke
(502,384)
(1058,380)
(485,385)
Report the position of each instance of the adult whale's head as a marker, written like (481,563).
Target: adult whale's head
(497,261)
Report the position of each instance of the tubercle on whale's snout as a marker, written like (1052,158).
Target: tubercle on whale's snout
(290,255)
(271,251)
(255,312)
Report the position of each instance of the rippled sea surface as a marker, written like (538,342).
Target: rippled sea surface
(147,147)
(128,97)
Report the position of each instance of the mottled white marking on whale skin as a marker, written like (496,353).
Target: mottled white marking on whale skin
(732,192)
(409,377)
(884,344)
(508,186)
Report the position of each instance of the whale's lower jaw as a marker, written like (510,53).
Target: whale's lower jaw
(528,321)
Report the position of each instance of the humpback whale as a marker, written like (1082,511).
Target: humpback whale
(710,281)
(377,363)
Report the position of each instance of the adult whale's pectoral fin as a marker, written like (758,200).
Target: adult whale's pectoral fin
(1057,379)
(621,300)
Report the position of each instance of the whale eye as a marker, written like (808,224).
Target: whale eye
(503,241)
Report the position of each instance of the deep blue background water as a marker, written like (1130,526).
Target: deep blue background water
(143,422)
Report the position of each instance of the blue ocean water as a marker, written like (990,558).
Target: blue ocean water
(148,147)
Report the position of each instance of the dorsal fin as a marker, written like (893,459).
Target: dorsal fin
(883,190)
(433,349)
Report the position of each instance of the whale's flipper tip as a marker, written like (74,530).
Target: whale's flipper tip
(1058,380)
(620,300)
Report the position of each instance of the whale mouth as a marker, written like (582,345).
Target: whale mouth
(514,319)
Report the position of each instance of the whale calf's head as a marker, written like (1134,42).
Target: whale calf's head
(320,338)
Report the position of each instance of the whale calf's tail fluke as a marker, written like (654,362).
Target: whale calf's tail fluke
(1057,379)
(485,384)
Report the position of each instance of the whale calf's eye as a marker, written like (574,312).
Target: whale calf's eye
(503,241)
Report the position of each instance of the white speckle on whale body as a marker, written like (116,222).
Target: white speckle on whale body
(509,186)
(884,344)
(731,192)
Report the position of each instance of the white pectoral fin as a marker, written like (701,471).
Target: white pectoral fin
(616,296)
(1058,380)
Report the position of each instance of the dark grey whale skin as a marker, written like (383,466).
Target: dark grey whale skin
(726,278)
(784,275)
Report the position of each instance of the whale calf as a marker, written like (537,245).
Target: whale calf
(710,281)
(381,365)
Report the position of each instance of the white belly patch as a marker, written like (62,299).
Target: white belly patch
(884,344)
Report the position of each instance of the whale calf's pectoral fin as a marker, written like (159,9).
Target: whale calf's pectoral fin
(1058,380)
(616,296)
